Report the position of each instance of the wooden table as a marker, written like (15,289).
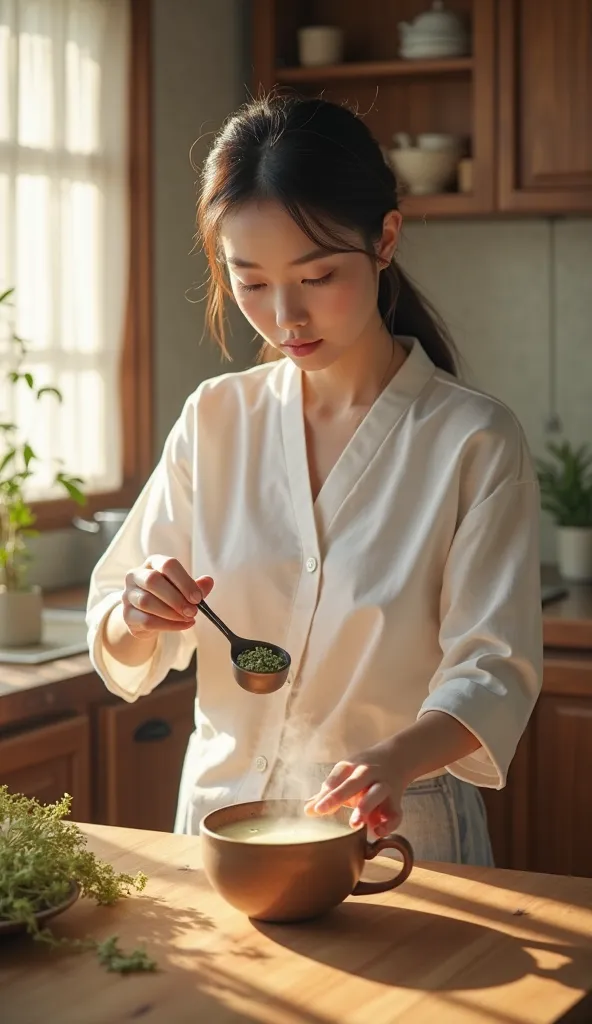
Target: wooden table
(452,946)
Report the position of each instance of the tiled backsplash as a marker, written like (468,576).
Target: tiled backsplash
(490,281)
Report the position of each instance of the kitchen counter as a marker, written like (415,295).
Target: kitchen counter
(454,945)
(567,622)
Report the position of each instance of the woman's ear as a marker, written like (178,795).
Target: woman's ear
(391,227)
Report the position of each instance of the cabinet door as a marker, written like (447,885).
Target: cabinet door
(545,104)
(140,756)
(509,812)
(563,836)
(48,761)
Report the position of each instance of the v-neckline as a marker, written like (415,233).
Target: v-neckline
(317,514)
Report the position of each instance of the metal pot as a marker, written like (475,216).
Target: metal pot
(105,523)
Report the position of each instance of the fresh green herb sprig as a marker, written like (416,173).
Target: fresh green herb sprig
(261,659)
(113,958)
(41,857)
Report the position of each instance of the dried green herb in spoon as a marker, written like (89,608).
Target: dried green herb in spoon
(261,659)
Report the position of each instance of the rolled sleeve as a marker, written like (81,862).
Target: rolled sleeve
(160,522)
(491,630)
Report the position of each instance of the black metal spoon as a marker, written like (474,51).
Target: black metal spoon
(254,682)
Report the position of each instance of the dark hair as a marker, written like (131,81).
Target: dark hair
(321,162)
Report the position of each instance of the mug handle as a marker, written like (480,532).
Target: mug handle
(392,842)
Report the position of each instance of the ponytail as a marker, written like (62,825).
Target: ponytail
(405,311)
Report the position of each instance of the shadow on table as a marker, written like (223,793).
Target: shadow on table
(414,949)
(192,982)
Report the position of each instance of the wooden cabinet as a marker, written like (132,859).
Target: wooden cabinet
(522,99)
(140,756)
(562,827)
(61,731)
(545,104)
(452,95)
(541,820)
(48,761)
(508,811)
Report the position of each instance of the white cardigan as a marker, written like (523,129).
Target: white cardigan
(411,584)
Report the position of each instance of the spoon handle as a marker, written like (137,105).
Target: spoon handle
(209,614)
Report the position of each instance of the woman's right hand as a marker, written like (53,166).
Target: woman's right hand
(161,595)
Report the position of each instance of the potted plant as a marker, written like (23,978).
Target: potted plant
(566,493)
(21,603)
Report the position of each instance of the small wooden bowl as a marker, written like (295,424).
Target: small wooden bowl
(13,927)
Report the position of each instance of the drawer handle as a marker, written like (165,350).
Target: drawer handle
(153,730)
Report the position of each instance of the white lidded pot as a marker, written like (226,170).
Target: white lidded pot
(437,31)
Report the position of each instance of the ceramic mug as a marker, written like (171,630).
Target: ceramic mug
(284,882)
(319,45)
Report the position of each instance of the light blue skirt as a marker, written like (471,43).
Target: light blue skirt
(445,819)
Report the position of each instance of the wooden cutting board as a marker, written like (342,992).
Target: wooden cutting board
(454,945)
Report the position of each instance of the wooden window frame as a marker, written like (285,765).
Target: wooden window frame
(137,357)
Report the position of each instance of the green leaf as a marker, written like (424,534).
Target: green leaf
(7,458)
(74,492)
(22,516)
(8,428)
(50,391)
(6,295)
(14,376)
(28,454)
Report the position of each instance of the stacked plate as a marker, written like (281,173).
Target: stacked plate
(434,47)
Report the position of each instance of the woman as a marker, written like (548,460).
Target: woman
(352,501)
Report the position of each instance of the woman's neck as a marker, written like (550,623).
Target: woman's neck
(358,377)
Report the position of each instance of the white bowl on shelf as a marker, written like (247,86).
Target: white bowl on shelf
(438,140)
(424,171)
(434,49)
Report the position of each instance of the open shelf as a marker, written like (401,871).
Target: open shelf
(439,205)
(448,95)
(376,69)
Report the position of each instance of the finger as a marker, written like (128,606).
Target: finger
(360,778)
(383,818)
(139,623)
(384,824)
(336,776)
(173,571)
(145,601)
(375,796)
(204,585)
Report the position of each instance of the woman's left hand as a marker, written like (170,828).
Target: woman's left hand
(371,783)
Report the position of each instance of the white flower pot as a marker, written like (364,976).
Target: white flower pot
(574,549)
(20,617)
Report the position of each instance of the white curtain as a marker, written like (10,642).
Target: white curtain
(64,225)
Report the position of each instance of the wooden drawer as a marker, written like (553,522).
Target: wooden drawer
(49,760)
(141,747)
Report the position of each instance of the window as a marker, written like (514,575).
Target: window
(73,207)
